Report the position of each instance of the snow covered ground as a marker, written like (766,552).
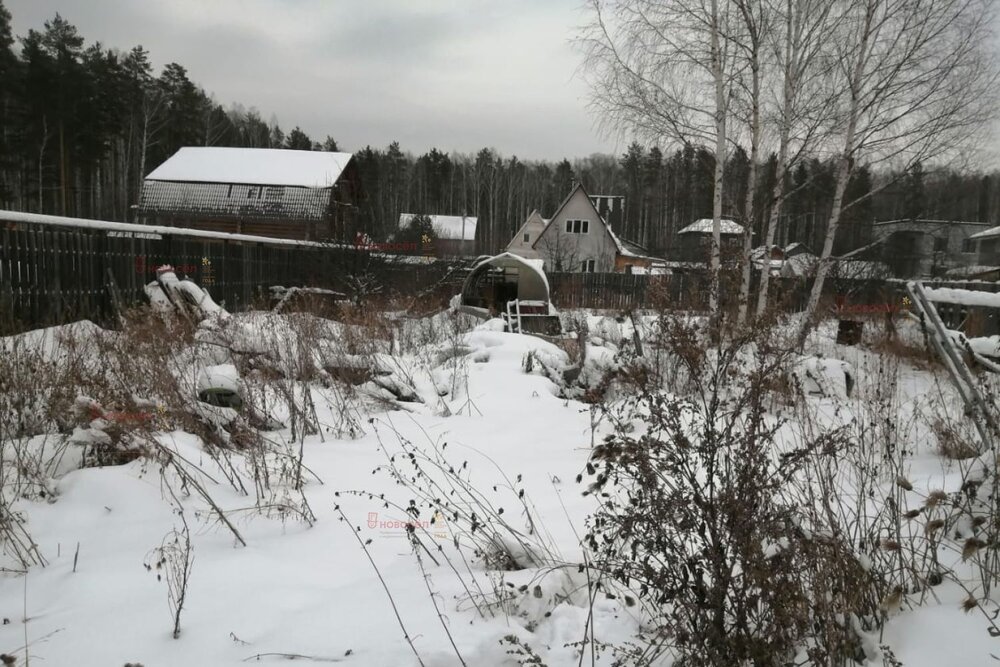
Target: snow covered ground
(312,591)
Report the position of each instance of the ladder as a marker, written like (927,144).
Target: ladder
(979,409)
(513,317)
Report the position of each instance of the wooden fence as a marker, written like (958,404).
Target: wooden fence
(682,290)
(860,299)
(54,270)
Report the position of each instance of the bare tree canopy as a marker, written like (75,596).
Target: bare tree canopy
(880,83)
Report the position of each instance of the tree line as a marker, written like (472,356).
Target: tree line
(81,125)
(877,86)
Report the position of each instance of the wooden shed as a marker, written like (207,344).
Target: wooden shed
(303,195)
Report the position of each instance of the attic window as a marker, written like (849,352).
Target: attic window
(578,226)
(253,192)
(527,237)
(274,193)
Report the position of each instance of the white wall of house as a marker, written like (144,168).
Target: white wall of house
(565,249)
(524,239)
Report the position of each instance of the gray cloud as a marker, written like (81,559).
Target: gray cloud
(456,74)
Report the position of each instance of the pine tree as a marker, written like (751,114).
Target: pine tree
(298,140)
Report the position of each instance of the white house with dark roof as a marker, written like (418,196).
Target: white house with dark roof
(523,243)
(577,238)
(281,193)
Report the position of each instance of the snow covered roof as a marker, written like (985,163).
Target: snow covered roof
(989,233)
(964,297)
(968,271)
(923,221)
(252,166)
(704,226)
(760,252)
(799,266)
(622,250)
(796,248)
(447,226)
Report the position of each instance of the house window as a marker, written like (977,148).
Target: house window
(968,245)
(526,237)
(253,192)
(578,226)
(941,244)
(589,266)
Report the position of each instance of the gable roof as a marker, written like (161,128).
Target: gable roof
(527,221)
(252,166)
(704,226)
(927,221)
(456,227)
(796,247)
(987,234)
(590,202)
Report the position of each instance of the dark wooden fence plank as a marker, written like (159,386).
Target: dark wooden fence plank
(53,273)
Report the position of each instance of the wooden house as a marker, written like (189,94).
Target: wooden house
(579,237)
(305,195)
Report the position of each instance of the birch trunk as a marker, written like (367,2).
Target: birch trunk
(720,158)
(749,215)
(777,194)
(843,172)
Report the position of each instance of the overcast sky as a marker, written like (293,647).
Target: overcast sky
(455,74)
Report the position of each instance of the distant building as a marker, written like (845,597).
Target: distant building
(694,242)
(915,248)
(611,208)
(306,195)
(987,254)
(578,238)
(456,234)
(523,243)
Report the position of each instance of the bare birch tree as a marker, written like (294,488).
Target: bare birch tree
(665,70)
(800,113)
(917,81)
(755,23)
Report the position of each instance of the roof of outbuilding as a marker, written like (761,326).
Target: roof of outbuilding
(252,166)
(704,226)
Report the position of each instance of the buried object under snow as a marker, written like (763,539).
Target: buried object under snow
(169,293)
(826,377)
(219,386)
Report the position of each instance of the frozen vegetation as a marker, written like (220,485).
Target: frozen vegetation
(385,489)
